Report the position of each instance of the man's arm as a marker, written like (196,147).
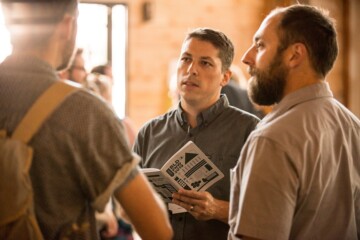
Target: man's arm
(249,238)
(202,205)
(108,220)
(145,209)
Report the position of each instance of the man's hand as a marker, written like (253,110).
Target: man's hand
(202,205)
(110,224)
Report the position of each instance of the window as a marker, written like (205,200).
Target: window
(102,33)
(5,46)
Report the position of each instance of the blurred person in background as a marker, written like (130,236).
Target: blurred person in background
(76,71)
(237,94)
(106,70)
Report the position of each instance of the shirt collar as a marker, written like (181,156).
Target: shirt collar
(308,93)
(206,116)
(28,63)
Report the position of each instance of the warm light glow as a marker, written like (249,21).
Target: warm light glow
(5,45)
(119,58)
(92,37)
(92,33)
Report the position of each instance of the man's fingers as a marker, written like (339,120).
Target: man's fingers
(188,206)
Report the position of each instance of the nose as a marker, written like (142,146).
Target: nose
(249,56)
(192,69)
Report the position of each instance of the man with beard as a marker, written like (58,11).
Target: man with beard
(81,156)
(206,118)
(298,176)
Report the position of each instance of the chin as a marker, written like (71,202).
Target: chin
(188,98)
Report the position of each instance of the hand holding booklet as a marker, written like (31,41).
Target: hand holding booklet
(188,168)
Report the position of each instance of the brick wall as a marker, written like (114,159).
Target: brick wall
(155,44)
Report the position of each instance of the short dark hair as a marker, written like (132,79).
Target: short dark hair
(100,69)
(31,22)
(219,40)
(314,28)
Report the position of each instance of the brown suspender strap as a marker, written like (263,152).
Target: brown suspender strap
(41,109)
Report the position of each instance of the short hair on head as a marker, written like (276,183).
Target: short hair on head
(100,69)
(31,22)
(314,28)
(219,40)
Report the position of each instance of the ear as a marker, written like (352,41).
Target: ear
(64,74)
(296,54)
(226,78)
(66,26)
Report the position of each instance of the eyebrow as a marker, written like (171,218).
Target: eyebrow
(186,53)
(202,57)
(207,58)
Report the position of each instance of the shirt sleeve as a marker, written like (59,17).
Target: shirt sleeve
(103,158)
(122,176)
(268,189)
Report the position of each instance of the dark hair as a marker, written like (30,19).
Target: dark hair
(314,28)
(220,42)
(31,22)
(101,69)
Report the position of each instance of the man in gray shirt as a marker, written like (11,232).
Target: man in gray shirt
(206,118)
(298,176)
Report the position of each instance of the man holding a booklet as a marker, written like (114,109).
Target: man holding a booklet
(217,131)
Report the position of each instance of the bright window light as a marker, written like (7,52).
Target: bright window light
(5,45)
(92,33)
(93,38)
(119,30)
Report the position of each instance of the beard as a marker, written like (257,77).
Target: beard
(266,87)
(68,51)
(68,55)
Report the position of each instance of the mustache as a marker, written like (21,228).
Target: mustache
(252,71)
(190,80)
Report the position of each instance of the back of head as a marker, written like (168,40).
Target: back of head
(314,28)
(100,84)
(104,69)
(100,69)
(31,22)
(219,40)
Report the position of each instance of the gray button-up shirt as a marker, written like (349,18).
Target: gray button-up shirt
(221,133)
(299,173)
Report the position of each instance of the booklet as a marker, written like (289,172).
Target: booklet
(188,168)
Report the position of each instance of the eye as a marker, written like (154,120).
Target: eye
(185,59)
(206,63)
(259,45)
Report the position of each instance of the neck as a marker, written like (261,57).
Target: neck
(301,80)
(192,111)
(191,114)
(46,54)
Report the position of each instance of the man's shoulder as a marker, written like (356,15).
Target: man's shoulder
(82,112)
(237,113)
(161,120)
